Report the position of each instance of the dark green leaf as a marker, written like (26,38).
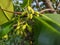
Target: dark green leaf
(6,28)
(48,35)
(52,19)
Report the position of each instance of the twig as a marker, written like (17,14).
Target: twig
(48,4)
(37,4)
(11,11)
(42,11)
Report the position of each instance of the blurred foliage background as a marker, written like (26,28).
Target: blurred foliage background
(23,31)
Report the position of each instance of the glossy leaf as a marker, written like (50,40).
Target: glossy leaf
(55,17)
(51,19)
(46,33)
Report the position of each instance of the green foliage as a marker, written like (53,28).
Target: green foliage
(6,28)
(49,31)
(30,27)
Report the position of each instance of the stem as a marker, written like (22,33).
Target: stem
(11,11)
(49,4)
(42,11)
(37,4)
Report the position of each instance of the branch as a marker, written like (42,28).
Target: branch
(42,11)
(37,4)
(58,5)
(49,4)
(11,11)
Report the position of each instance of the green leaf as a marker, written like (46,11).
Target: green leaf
(9,8)
(51,19)
(6,5)
(36,28)
(6,28)
(48,35)
(3,18)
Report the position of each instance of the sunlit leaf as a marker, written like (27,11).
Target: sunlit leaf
(6,5)
(3,18)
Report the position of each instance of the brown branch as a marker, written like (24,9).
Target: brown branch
(11,11)
(48,4)
(42,11)
(37,4)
